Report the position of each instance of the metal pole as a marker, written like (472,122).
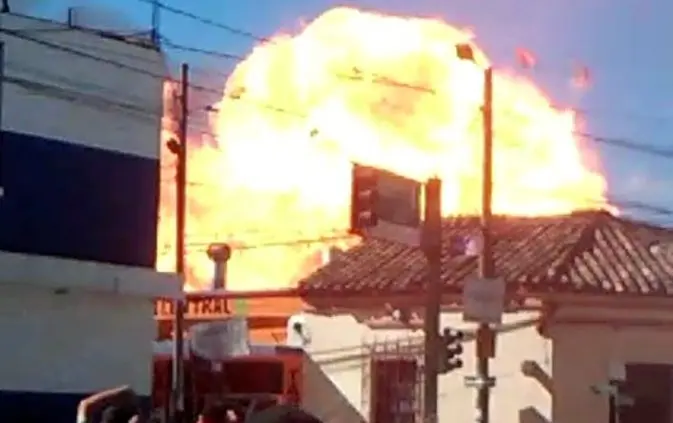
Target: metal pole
(2,107)
(486,265)
(613,407)
(156,16)
(2,81)
(181,203)
(432,245)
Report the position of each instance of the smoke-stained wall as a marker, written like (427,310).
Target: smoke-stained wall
(79,155)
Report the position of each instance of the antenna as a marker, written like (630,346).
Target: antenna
(156,21)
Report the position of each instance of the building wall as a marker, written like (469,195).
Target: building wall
(336,349)
(587,341)
(79,155)
(58,348)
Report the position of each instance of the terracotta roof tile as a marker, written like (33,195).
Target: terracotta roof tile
(580,252)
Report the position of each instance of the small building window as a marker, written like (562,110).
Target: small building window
(394,390)
(651,388)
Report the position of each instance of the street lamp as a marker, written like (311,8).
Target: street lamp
(485,337)
(220,254)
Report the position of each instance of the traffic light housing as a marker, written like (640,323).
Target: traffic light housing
(452,349)
(364,198)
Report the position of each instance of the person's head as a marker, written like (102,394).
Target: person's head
(118,414)
(218,413)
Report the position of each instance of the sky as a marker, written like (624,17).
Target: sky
(626,44)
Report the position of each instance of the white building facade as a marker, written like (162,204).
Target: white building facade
(79,176)
(355,373)
(585,336)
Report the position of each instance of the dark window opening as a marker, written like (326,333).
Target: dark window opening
(393,394)
(651,388)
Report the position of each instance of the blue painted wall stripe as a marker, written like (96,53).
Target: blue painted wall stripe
(37,407)
(72,201)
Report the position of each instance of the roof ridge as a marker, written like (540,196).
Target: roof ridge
(585,241)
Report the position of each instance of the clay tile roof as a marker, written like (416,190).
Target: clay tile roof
(584,252)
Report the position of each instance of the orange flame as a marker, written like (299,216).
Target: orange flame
(380,90)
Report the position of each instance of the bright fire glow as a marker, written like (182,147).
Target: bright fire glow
(380,90)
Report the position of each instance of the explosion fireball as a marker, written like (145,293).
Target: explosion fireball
(380,90)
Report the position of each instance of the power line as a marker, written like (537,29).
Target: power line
(628,144)
(82,97)
(300,242)
(339,235)
(190,49)
(358,75)
(97,48)
(78,96)
(141,71)
(618,142)
(622,204)
(92,95)
(378,78)
(242,246)
(205,21)
(100,59)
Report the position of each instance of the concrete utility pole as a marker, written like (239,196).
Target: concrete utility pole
(485,334)
(179,148)
(432,247)
(485,338)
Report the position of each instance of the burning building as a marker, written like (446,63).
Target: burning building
(386,91)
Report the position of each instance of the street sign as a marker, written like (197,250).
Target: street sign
(221,340)
(386,205)
(483,300)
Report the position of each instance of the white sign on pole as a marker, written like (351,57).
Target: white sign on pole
(222,339)
(483,300)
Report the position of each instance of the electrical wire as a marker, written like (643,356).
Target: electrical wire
(303,242)
(295,242)
(106,103)
(357,75)
(613,141)
(90,94)
(618,142)
(97,48)
(211,53)
(376,78)
(628,144)
(205,21)
(80,97)
(100,59)
(95,101)
(622,143)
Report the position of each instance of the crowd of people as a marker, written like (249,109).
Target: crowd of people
(122,405)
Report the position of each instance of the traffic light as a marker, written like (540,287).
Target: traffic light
(452,348)
(364,198)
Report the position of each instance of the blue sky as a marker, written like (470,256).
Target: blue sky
(625,43)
